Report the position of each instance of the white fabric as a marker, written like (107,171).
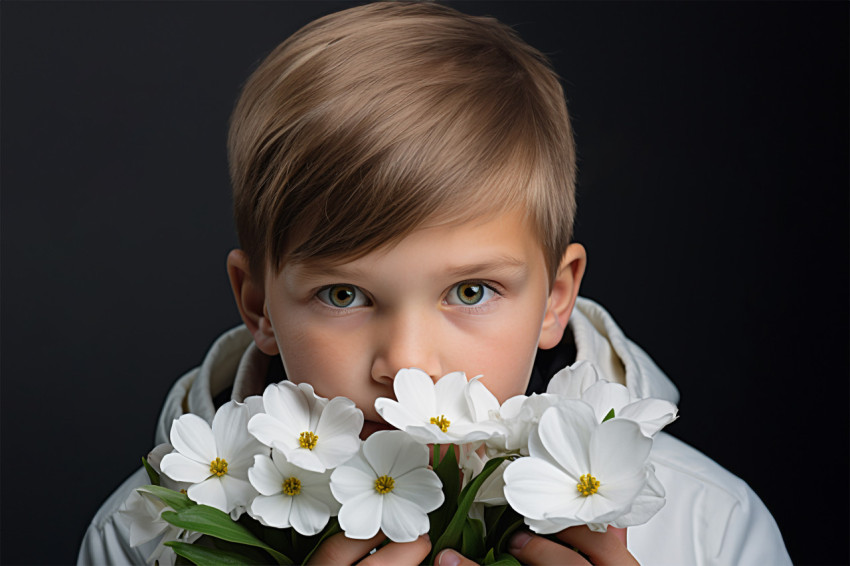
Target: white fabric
(711,516)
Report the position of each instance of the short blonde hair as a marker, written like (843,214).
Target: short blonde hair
(368,122)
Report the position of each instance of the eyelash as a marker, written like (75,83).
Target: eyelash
(475,307)
(324,296)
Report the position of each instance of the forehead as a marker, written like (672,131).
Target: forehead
(496,244)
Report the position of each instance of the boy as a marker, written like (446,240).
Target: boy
(404,196)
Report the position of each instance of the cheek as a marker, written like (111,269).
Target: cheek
(505,359)
(316,358)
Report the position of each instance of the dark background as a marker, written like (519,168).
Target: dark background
(713,202)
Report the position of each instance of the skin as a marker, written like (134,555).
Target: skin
(473,297)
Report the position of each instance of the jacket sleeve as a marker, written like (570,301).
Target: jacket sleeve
(711,517)
(751,535)
(107,539)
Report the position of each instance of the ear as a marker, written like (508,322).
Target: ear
(562,297)
(250,298)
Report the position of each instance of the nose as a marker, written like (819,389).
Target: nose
(406,340)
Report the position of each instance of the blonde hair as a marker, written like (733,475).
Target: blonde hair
(368,122)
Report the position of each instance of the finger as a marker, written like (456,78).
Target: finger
(621,535)
(532,549)
(400,553)
(449,557)
(339,549)
(601,548)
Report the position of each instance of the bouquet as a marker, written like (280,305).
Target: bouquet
(273,477)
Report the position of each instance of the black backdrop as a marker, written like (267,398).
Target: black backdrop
(713,202)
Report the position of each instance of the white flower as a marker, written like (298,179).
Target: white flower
(651,414)
(581,472)
(450,411)
(518,416)
(290,496)
(312,432)
(573,380)
(387,486)
(214,460)
(142,511)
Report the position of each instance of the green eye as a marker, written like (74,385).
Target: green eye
(342,295)
(470,293)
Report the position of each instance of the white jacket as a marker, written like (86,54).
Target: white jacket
(711,516)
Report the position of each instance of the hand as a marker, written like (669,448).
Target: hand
(602,548)
(340,549)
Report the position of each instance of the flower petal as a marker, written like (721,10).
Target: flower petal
(394,453)
(537,489)
(309,515)
(352,480)
(274,510)
(415,391)
(304,458)
(551,526)
(311,486)
(272,432)
(651,414)
(397,414)
(239,492)
(209,492)
(422,487)
(480,400)
(180,468)
(230,428)
(360,517)
(402,520)
(265,476)
(450,391)
(572,381)
(618,450)
(192,436)
(604,396)
(648,502)
(565,432)
(285,403)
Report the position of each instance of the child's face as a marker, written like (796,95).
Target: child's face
(469,297)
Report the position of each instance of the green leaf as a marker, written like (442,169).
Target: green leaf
(492,516)
(609,416)
(251,554)
(215,523)
(174,499)
(152,475)
(452,534)
(472,539)
(490,558)
(506,535)
(449,473)
(205,556)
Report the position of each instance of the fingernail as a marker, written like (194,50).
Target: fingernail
(448,558)
(519,540)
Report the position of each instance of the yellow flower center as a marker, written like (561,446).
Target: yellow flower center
(441,422)
(587,485)
(218,467)
(292,486)
(384,484)
(308,440)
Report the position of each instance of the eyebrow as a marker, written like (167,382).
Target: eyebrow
(499,265)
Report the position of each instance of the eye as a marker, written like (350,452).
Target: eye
(470,293)
(342,296)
